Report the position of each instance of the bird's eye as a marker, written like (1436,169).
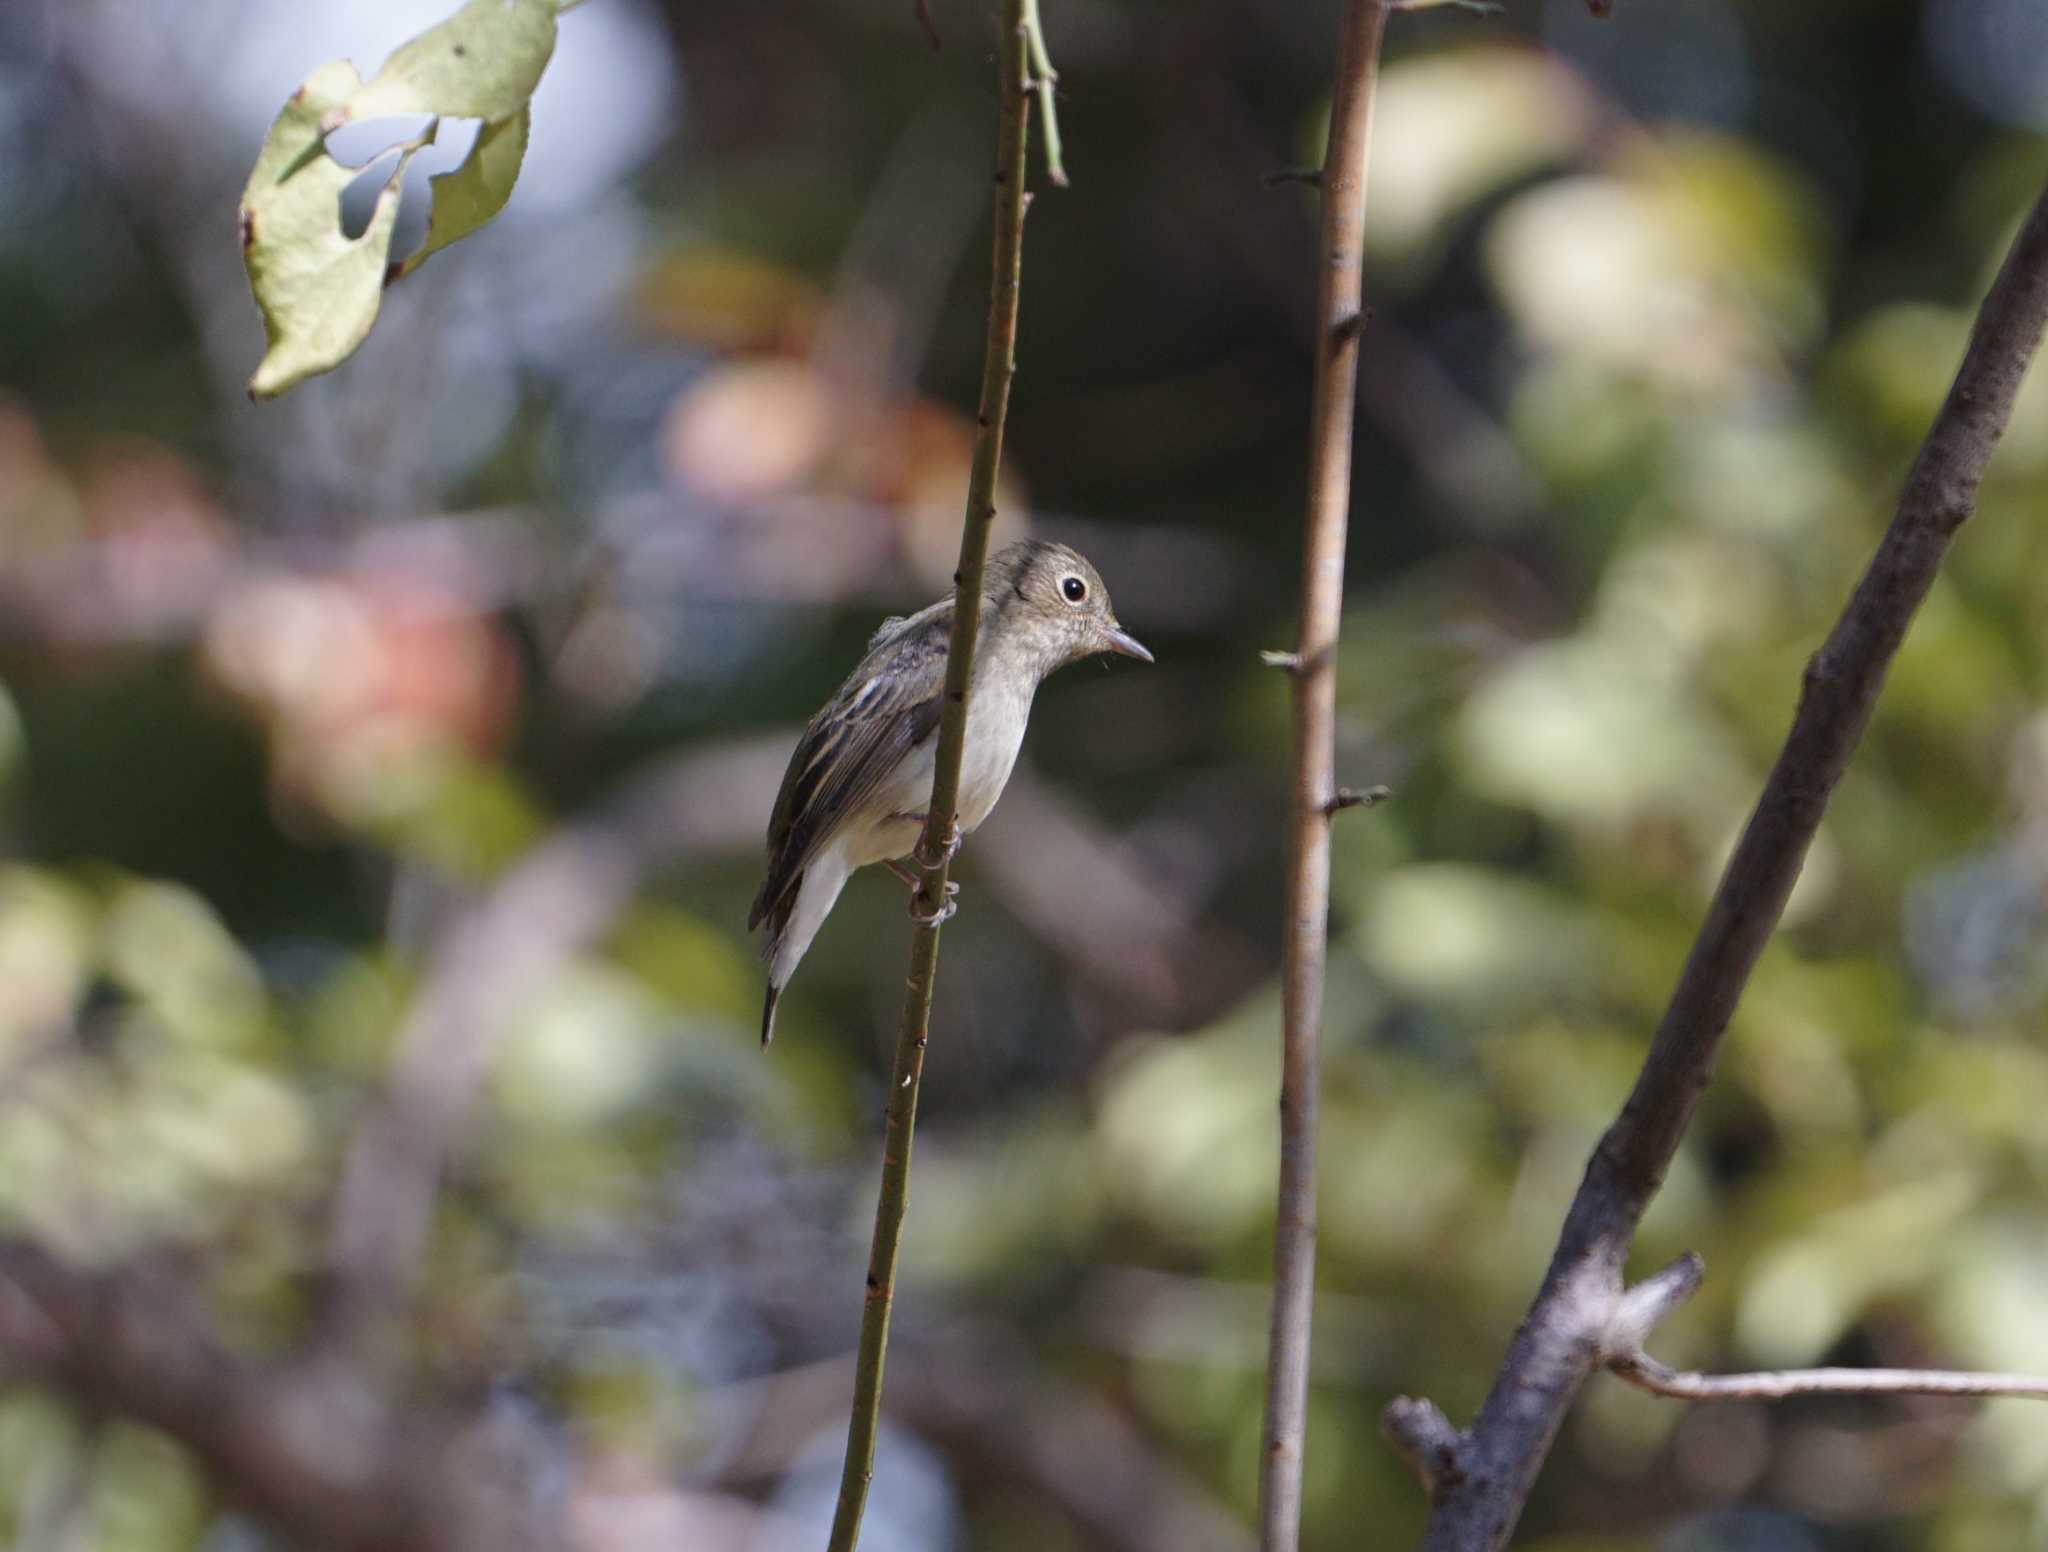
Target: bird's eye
(1074,589)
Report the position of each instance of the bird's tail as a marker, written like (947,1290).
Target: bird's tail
(774,917)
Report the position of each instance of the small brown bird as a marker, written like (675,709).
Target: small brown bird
(861,779)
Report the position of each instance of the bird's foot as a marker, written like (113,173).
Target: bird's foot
(947,906)
(948,850)
(915,873)
(912,868)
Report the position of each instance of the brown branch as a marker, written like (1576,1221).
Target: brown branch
(312,1447)
(1566,1331)
(1313,666)
(935,845)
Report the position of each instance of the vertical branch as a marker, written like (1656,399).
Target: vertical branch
(934,846)
(1340,257)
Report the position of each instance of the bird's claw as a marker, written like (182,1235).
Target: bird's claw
(947,906)
(948,850)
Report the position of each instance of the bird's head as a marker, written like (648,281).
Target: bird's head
(1054,600)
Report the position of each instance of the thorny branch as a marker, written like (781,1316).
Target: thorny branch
(1571,1326)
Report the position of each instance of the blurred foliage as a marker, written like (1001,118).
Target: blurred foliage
(1663,306)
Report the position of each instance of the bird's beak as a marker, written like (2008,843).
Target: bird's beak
(1125,645)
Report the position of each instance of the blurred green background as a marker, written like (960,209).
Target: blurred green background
(500,635)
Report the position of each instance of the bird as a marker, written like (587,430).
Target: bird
(860,780)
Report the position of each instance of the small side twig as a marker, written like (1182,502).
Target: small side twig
(1640,1310)
(1646,1373)
(922,9)
(1045,81)
(1649,1303)
(1346,797)
(1422,1436)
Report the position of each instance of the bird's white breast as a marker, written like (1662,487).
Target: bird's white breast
(996,716)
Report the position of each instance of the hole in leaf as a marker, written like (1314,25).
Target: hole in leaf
(359,199)
(450,146)
(452,143)
(360,144)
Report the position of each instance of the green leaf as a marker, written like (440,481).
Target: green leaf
(481,63)
(477,190)
(318,289)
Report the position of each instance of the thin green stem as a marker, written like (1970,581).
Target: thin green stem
(1046,80)
(933,847)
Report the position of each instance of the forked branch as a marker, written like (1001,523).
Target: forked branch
(1569,1329)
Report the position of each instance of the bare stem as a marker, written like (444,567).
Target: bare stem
(934,845)
(1313,666)
(1045,80)
(1646,1373)
(1643,1307)
(1566,1332)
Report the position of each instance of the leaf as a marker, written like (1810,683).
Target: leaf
(317,288)
(477,190)
(481,63)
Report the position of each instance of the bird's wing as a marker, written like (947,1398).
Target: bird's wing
(886,708)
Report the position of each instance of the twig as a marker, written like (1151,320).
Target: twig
(934,847)
(1640,1310)
(1424,1437)
(1563,1336)
(922,9)
(1646,1373)
(1346,798)
(1045,80)
(1313,666)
